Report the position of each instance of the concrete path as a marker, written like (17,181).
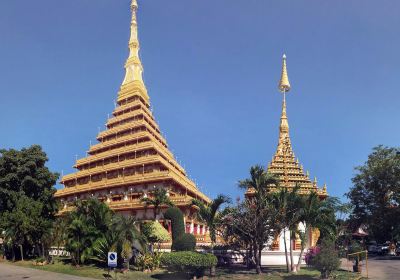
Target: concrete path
(13,272)
(379,268)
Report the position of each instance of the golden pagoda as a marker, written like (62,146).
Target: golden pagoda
(131,158)
(287,167)
(284,163)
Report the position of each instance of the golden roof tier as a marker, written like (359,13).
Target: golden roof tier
(284,163)
(131,158)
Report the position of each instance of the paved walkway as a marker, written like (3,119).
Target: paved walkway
(13,272)
(379,268)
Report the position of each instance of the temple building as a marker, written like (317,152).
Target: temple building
(131,158)
(291,174)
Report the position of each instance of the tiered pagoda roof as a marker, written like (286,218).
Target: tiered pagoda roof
(131,156)
(284,163)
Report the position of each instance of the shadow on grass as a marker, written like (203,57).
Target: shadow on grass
(298,277)
(270,272)
(171,276)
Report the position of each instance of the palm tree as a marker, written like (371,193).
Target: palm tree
(58,232)
(159,198)
(208,213)
(286,202)
(260,182)
(89,222)
(293,219)
(128,234)
(318,214)
(75,238)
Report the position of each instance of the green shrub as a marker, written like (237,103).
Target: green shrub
(155,232)
(181,241)
(178,227)
(193,262)
(149,261)
(327,260)
(186,242)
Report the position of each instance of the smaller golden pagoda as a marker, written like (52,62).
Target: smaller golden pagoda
(284,163)
(287,167)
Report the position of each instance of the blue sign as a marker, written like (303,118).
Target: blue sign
(112,259)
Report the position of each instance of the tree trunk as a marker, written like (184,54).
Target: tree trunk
(247,258)
(303,247)
(257,258)
(212,268)
(300,257)
(286,252)
(38,250)
(12,253)
(250,257)
(22,252)
(292,265)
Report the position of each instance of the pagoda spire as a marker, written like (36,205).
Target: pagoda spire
(133,83)
(133,65)
(284,86)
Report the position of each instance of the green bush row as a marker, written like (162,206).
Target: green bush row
(183,261)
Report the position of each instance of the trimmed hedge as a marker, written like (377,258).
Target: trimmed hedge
(178,227)
(193,262)
(155,232)
(181,241)
(186,242)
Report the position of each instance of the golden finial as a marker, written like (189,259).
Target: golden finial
(315,180)
(284,85)
(134,4)
(324,188)
(133,65)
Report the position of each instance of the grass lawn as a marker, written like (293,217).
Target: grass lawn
(238,273)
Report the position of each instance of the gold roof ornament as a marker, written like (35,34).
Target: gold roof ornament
(133,80)
(284,85)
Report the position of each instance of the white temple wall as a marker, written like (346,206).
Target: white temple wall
(269,257)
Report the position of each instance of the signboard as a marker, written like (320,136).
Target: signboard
(112,259)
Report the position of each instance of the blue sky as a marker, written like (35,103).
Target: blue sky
(211,68)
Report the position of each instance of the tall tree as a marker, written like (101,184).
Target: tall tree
(263,222)
(58,232)
(159,198)
(286,202)
(128,233)
(26,183)
(376,193)
(209,215)
(315,214)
